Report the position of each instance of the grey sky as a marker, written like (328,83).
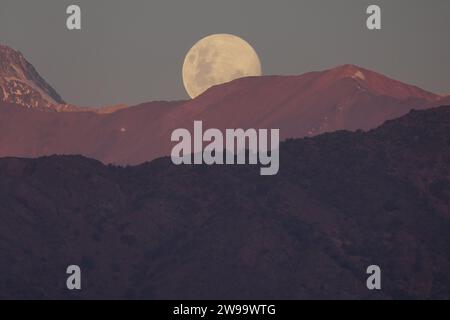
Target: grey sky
(132,51)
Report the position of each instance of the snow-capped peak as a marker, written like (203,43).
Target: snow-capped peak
(21,84)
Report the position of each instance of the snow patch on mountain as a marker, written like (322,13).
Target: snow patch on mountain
(359,75)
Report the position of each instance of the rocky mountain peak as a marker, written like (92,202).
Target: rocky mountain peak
(21,84)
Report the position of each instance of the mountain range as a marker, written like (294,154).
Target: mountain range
(35,121)
(342,201)
(363,180)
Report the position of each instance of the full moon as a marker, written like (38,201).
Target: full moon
(217,59)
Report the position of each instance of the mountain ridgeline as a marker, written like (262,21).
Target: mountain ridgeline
(342,201)
(346,97)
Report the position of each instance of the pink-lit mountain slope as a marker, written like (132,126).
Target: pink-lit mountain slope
(345,97)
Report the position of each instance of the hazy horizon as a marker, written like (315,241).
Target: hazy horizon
(139,57)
